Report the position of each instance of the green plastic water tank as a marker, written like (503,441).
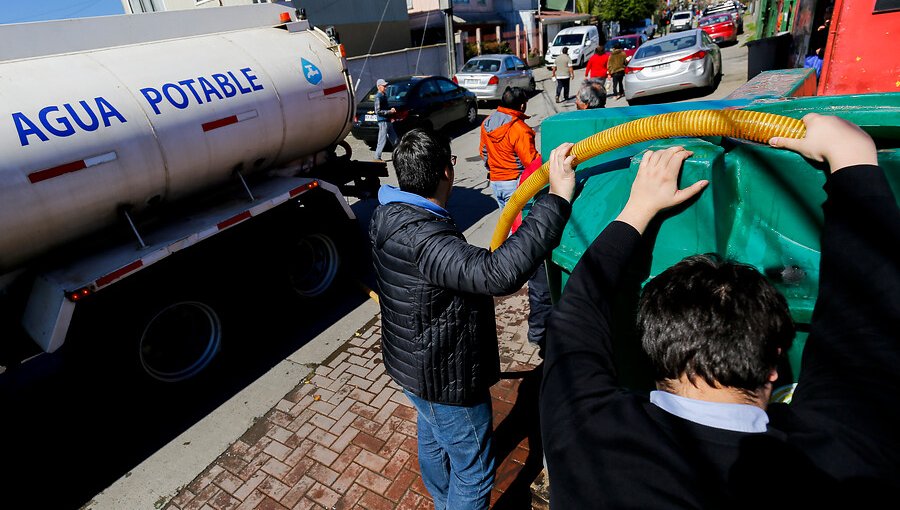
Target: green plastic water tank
(763,206)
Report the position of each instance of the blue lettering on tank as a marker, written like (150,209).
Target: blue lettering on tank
(227,88)
(208,89)
(107,111)
(154,100)
(57,121)
(189,83)
(95,123)
(25,127)
(251,78)
(67,129)
(238,82)
(311,72)
(183,103)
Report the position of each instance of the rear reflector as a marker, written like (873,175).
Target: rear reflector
(493,81)
(629,70)
(306,187)
(78,294)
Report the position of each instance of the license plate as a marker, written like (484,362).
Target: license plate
(472,82)
(371,118)
(663,67)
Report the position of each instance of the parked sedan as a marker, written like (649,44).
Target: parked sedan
(421,101)
(488,76)
(720,28)
(629,42)
(673,62)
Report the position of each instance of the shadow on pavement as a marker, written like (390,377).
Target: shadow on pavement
(522,423)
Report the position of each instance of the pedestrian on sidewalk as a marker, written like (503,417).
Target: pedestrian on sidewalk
(562,73)
(596,71)
(510,155)
(383,116)
(714,332)
(439,336)
(507,144)
(616,67)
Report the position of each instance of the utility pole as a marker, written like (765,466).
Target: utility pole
(447,7)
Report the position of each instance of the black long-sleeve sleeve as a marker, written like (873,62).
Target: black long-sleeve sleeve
(849,384)
(450,262)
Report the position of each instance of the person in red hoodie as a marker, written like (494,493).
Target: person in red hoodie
(507,144)
(595,71)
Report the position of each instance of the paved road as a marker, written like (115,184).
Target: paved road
(77,439)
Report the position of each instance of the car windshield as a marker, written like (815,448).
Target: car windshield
(668,46)
(395,91)
(628,43)
(712,20)
(568,40)
(481,65)
(681,15)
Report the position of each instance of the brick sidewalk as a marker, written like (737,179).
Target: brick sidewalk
(346,436)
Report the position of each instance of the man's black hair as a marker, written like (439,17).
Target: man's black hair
(514,98)
(565,49)
(420,159)
(617,45)
(719,321)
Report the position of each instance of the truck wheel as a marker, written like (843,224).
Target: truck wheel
(180,341)
(313,263)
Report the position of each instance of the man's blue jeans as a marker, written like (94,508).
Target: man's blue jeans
(385,131)
(503,190)
(455,453)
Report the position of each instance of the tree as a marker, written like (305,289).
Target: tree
(624,10)
(588,6)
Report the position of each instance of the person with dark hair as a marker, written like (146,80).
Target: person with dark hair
(562,73)
(439,336)
(616,68)
(714,332)
(507,144)
(591,95)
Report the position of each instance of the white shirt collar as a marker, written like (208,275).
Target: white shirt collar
(736,417)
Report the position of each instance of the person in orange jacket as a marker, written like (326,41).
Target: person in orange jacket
(507,144)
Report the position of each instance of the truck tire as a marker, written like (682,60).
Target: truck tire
(180,341)
(313,263)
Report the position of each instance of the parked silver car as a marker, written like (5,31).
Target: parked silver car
(488,76)
(673,62)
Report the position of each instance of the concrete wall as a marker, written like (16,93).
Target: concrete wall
(366,69)
(357,23)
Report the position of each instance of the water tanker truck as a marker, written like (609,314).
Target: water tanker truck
(142,153)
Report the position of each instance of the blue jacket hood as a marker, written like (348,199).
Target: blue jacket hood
(391,194)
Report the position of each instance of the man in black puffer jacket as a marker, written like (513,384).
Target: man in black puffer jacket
(439,337)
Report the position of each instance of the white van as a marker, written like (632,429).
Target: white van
(581,41)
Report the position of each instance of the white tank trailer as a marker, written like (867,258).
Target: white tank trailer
(215,117)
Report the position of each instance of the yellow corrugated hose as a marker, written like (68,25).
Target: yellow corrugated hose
(754,126)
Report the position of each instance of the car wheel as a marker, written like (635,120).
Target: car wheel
(472,114)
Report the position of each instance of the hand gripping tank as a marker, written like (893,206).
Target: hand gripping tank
(153,108)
